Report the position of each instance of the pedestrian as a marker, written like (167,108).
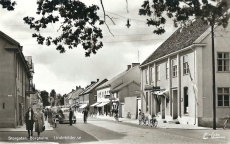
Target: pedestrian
(46,114)
(85,112)
(29,121)
(147,118)
(143,119)
(140,116)
(70,116)
(39,121)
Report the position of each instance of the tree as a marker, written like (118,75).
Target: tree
(53,94)
(212,12)
(62,100)
(78,24)
(45,96)
(7,4)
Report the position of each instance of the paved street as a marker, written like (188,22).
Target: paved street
(107,131)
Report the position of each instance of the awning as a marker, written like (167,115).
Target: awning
(102,104)
(162,93)
(83,106)
(97,103)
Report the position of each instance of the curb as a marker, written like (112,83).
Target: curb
(162,127)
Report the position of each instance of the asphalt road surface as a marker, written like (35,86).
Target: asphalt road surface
(105,131)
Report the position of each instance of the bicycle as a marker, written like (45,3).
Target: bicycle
(226,121)
(116,117)
(55,118)
(153,121)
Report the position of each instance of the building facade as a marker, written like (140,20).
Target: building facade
(90,95)
(16,82)
(182,68)
(112,93)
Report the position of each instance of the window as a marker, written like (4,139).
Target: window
(167,70)
(185,65)
(223,96)
(223,61)
(152,74)
(174,68)
(146,76)
(95,97)
(158,72)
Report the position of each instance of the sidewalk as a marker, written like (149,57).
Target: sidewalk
(161,124)
(23,128)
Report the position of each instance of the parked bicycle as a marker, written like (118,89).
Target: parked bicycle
(153,121)
(226,121)
(116,117)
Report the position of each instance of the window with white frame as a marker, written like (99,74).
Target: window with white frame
(223,61)
(158,72)
(185,65)
(146,76)
(152,74)
(167,70)
(174,68)
(223,96)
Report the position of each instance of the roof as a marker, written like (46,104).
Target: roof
(76,93)
(179,40)
(107,84)
(124,85)
(9,38)
(92,86)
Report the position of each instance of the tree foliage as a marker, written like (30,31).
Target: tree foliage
(78,24)
(44,96)
(183,11)
(7,4)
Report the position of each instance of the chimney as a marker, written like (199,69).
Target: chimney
(92,82)
(97,80)
(128,67)
(135,64)
(79,87)
(76,87)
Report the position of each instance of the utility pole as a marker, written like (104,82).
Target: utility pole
(213,78)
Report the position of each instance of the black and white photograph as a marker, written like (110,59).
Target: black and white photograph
(114,71)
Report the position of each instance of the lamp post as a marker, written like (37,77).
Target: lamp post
(213,78)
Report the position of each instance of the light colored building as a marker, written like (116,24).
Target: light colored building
(89,95)
(75,96)
(182,68)
(16,82)
(112,93)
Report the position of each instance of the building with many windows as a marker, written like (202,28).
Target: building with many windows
(182,68)
(16,82)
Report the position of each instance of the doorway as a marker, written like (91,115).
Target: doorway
(175,104)
(186,102)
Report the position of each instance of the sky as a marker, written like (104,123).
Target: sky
(63,72)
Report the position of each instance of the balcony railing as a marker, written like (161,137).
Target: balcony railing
(30,89)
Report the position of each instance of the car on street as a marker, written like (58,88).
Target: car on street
(64,116)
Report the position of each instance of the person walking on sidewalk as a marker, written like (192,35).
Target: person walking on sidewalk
(46,114)
(85,112)
(39,121)
(70,116)
(29,121)
(140,116)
